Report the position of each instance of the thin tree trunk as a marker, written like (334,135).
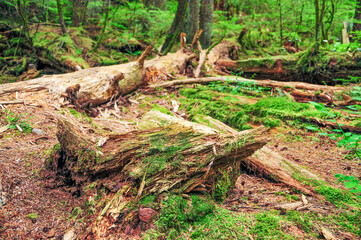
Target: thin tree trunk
(175,29)
(356,25)
(106,18)
(191,25)
(281,26)
(61,18)
(77,11)
(317,26)
(83,14)
(205,22)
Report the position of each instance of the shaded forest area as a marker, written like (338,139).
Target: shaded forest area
(189,119)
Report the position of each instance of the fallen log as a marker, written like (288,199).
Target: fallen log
(296,67)
(263,83)
(174,158)
(264,162)
(98,85)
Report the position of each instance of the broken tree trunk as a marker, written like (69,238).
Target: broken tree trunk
(264,162)
(175,158)
(98,85)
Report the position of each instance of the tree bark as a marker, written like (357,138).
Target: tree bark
(77,11)
(61,18)
(357,16)
(205,22)
(191,24)
(99,85)
(177,25)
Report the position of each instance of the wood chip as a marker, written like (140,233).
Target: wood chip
(19,128)
(4,128)
(304,200)
(102,141)
(327,234)
(289,206)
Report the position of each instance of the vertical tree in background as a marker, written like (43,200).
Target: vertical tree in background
(77,11)
(191,25)
(205,22)
(61,18)
(357,17)
(161,4)
(317,26)
(105,23)
(177,25)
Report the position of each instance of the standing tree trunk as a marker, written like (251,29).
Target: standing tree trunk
(281,26)
(175,29)
(61,18)
(83,13)
(205,22)
(317,26)
(77,11)
(161,4)
(191,25)
(357,17)
(106,18)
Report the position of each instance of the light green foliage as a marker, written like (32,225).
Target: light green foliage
(350,182)
(349,140)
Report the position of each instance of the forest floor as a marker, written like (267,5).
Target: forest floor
(38,207)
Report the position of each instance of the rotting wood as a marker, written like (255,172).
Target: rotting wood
(263,83)
(156,152)
(99,85)
(264,162)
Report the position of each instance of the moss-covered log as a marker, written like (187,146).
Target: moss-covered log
(264,162)
(302,66)
(173,158)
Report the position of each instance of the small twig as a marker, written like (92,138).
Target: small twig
(12,102)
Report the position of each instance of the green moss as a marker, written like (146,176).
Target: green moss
(221,187)
(269,225)
(156,107)
(32,216)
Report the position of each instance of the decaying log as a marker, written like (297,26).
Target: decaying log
(287,68)
(264,162)
(100,84)
(263,83)
(174,158)
(333,125)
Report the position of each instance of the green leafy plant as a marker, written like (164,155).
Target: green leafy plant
(350,182)
(349,140)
